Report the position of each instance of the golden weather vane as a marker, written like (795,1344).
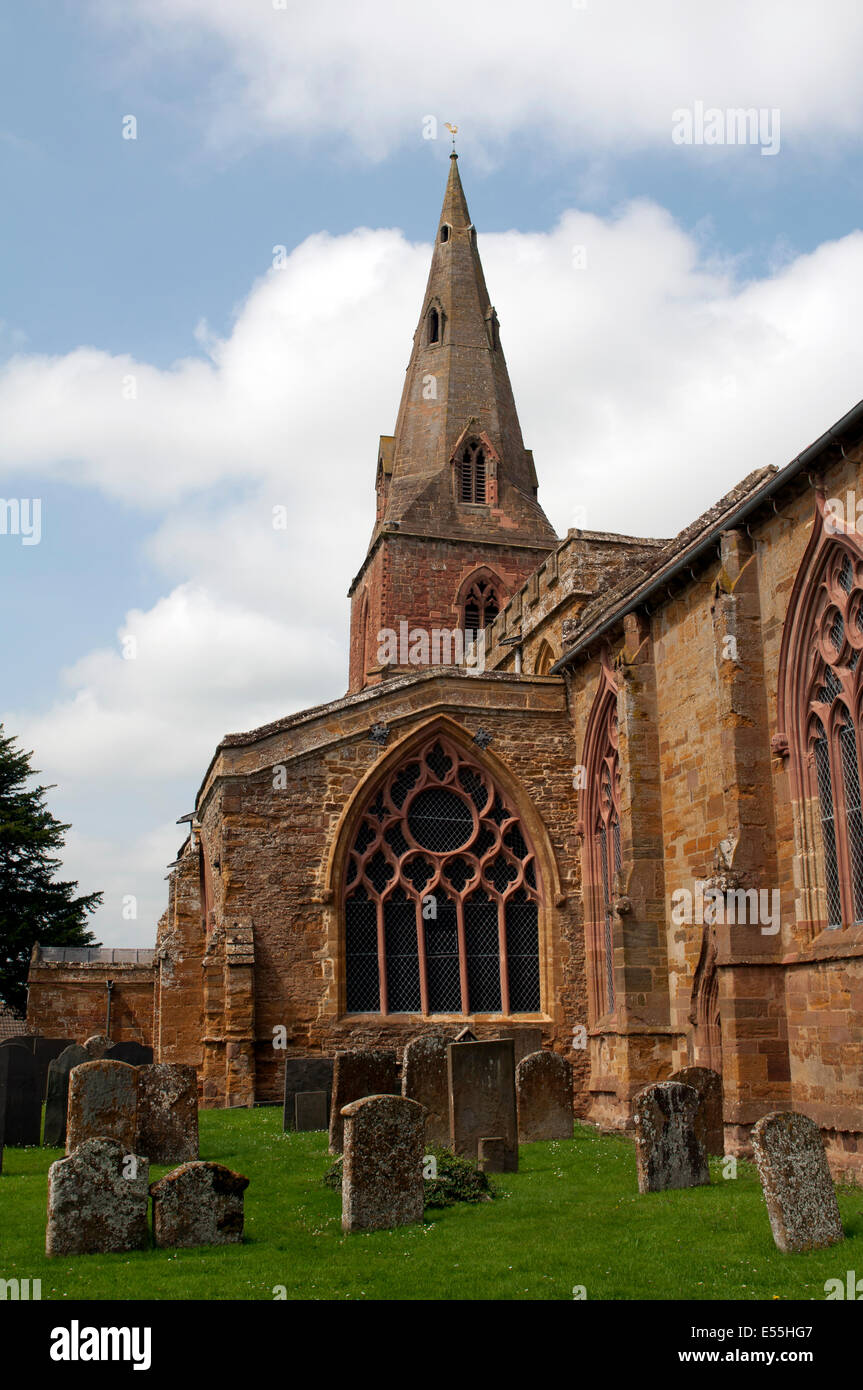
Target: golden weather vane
(453,130)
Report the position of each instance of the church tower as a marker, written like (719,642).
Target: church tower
(458,526)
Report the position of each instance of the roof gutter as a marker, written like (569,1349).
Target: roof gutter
(740,513)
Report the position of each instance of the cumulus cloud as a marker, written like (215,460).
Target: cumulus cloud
(649,381)
(369,72)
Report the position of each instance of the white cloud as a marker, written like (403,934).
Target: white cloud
(605,75)
(648,382)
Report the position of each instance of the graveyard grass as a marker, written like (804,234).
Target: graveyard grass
(571,1216)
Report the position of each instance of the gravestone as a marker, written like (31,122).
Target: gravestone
(382,1170)
(44,1050)
(424,1079)
(198,1204)
(359,1074)
(97,1200)
(57,1094)
(20,1097)
(96,1046)
(481,1085)
(669,1150)
(491,1155)
(305,1074)
(103,1103)
(167,1122)
(311,1110)
(798,1188)
(135,1053)
(543,1085)
(708,1086)
(526,1039)
(2,1137)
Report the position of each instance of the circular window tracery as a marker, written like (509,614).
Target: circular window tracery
(443,869)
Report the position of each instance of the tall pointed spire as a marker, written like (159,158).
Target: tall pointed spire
(458,389)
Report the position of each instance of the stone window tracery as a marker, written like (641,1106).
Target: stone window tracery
(481,607)
(439,837)
(602,843)
(472,473)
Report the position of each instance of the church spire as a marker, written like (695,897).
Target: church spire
(458,444)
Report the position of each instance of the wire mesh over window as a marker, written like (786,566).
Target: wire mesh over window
(441,889)
(831,715)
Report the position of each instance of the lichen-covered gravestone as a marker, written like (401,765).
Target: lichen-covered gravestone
(669,1149)
(543,1084)
(199,1204)
(57,1094)
(424,1079)
(20,1097)
(359,1074)
(97,1200)
(798,1188)
(103,1104)
(96,1046)
(382,1171)
(481,1084)
(167,1121)
(305,1074)
(708,1086)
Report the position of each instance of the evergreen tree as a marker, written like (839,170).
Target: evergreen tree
(33,905)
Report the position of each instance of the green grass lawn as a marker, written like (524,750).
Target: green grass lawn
(572,1215)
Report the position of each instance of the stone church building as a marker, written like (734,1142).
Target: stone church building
(629,828)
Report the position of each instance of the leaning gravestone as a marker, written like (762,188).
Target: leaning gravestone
(97,1200)
(167,1121)
(96,1046)
(103,1104)
(198,1204)
(132,1052)
(382,1171)
(798,1188)
(311,1110)
(20,1097)
(305,1074)
(359,1074)
(543,1085)
(57,1094)
(708,1085)
(481,1085)
(669,1150)
(424,1079)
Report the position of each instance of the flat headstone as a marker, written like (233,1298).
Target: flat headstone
(481,1085)
(798,1188)
(491,1155)
(135,1053)
(103,1103)
(305,1074)
(708,1086)
(311,1110)
(57,1094)
(44,1050)
(96,1046)
(358,1074)
(198,1204)
(526,1038)
(424,1079)
(669,1149)
(167,1124)
(543,1085)
(97,1200)
(382,1171)
(20,1097)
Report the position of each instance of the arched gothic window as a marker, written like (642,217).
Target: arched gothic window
(829,730)
(472,469)
(544,659)
(434,334)
(441,894)
(481,607)
(602,842)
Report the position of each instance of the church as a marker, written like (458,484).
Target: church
(612,808)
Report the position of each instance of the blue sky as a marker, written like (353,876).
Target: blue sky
(718,305)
